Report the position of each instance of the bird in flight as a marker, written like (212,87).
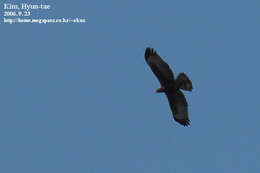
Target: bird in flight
(170,86)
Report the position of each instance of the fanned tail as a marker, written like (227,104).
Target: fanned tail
(183,82)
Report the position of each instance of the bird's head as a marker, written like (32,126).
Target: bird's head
(160,90)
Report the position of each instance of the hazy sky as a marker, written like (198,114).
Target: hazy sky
(80,97)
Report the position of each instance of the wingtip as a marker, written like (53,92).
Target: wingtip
(149,52)
(184,122)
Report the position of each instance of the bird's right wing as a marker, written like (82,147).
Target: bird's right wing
(179,107)
(160,68)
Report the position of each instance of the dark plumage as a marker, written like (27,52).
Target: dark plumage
(170,86)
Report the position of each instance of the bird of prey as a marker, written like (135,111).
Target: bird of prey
(170,86)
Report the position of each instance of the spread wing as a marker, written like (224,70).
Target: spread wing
(160,68)
(179,106)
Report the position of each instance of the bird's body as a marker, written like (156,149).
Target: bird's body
(170,86)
